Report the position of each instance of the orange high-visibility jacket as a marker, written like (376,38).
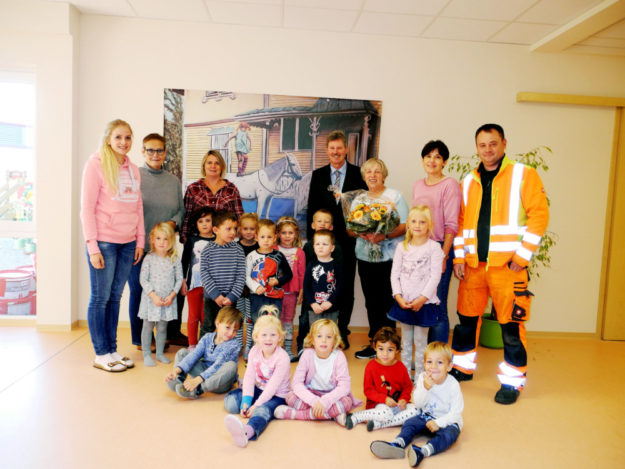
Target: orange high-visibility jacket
(518,218)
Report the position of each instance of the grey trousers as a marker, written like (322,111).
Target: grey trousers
(218,383)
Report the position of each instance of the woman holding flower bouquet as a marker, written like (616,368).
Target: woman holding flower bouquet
(377,218)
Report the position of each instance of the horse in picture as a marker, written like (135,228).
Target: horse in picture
(264,184)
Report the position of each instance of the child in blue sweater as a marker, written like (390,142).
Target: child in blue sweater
(212,365)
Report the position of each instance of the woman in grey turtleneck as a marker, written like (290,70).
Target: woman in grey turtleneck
(162,202)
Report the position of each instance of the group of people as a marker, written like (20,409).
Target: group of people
(485,231)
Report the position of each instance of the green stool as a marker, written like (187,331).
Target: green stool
(490,333)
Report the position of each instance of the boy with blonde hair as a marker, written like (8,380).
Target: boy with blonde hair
(438,398)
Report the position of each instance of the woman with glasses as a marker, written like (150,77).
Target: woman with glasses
(162,202)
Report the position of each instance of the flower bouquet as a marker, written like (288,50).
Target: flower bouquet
(366,214)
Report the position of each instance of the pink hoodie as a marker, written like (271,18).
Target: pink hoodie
(114,218)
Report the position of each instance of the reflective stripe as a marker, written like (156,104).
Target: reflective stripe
(470,248)
(508,370)
(524,253)
(459,253)
(531,238)
(516,382)
(502,246)
(458,241)
(468,233)
(504,230)
(515,195)
(465,188)
(466,361)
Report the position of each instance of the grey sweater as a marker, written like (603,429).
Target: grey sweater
(162,199)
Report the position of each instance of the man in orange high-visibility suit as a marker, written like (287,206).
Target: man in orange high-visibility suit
(503,215)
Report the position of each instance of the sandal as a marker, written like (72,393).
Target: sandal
(111,366)
(126,361)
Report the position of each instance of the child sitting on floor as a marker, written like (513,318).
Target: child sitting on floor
(265,384)
(212,365)
(438,398)
(387,386)
(321,383)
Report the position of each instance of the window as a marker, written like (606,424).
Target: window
(17,209)
(295,134)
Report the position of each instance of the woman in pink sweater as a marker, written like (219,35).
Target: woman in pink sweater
(112,221)
(442,194)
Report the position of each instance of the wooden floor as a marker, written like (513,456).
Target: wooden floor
(57,411)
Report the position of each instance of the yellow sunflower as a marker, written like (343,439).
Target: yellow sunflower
(357,214)
(376,216)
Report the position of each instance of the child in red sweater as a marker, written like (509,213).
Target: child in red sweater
(387,386)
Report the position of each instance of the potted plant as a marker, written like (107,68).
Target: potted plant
(490,333)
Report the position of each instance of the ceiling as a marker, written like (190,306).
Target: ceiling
(571,26)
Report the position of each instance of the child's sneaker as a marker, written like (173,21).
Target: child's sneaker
(284,412)
(415,456)
(171,384)
(386,450)
(182,392)
(237,430)
(341,419)
(349,423)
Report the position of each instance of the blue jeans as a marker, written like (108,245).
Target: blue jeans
(440,332)
(443,438)
(134,302)
(261,416)
(107,285)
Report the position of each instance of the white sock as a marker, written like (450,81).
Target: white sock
(427,450)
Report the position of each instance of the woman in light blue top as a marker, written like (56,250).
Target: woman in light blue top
(375,270)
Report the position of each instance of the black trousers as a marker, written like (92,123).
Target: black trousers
(375,278)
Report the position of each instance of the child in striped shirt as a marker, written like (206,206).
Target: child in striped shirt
(222,269)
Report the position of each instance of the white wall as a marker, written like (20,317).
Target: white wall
(430,89)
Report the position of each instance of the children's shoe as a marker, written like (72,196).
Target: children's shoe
(171,384)
(460,376)
(415,456)
(341,419)
(507,394)
(386,450)
(349,423)
(182,392)
(366,353)
(237,430)
(104,362)
(370,425)
(284,412)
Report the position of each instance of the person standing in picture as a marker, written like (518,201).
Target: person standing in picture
(503,215)
(337,176)
(242,145)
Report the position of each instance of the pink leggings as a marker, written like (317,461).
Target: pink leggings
(289,302)
(304,412)
(195,300)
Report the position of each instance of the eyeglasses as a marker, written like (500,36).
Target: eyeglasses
(151,151)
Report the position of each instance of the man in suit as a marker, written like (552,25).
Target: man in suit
(338,176)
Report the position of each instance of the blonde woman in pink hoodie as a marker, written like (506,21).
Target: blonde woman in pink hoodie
(112,221)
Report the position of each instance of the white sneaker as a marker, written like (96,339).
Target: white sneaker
(106,363)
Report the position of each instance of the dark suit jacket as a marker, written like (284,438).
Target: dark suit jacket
(320,197)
